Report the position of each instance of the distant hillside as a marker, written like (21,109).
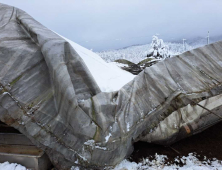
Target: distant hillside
(136,53)
(201,41)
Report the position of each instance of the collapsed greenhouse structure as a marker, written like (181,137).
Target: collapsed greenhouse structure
(50,94)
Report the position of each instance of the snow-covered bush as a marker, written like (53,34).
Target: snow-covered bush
(158,49)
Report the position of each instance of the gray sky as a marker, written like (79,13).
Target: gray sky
(113,24)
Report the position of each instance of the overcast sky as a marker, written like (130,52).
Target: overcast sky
(113,24)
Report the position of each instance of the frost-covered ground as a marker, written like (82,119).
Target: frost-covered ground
(137,53)
(160,162)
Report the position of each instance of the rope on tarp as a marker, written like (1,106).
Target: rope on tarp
(204,108)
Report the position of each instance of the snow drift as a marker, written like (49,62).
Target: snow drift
(49,91)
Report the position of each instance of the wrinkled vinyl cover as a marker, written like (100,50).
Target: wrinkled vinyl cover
(48,94)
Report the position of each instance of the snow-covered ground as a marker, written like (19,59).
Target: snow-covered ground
(160,162)
(12,166)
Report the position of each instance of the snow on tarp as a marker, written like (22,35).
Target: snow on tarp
(108,76)
(48,93)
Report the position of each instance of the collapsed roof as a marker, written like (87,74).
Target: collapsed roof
(49,93)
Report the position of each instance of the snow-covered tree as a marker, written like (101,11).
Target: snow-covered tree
(158,49)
